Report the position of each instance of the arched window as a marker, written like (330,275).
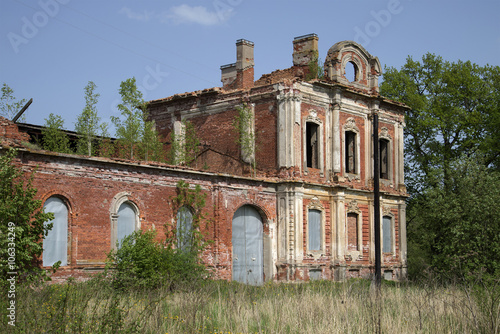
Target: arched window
(351,71)
(124,215)
(55,244)
(126,221)
(184,228)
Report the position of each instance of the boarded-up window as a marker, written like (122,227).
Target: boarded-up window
(55,245)
(387,235)
(312,145)
(352,231)
(314,229)
(350,152)
(184,227)
(384,158)
(126,223)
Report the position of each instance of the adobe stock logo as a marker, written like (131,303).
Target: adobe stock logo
(382,19)
(31,27)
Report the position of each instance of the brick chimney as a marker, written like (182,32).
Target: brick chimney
(239,74)
(305,49)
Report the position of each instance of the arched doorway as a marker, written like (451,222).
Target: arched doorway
(248,259)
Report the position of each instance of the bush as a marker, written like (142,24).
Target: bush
(22,227)
(142,262)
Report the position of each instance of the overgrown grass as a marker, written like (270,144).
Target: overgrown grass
(228,307)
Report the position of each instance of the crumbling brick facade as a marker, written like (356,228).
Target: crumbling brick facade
(310,186)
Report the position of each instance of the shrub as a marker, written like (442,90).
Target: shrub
(22,219)
(142,262)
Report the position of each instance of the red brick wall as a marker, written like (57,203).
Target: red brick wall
(89,186)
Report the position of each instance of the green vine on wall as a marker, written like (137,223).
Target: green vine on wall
(244,126)
(316,70)
(194,200)
(185,147)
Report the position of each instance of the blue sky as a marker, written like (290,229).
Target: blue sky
(50,49)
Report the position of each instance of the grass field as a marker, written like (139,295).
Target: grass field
(225,307)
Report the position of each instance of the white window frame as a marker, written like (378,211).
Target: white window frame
(350,126)
(316,205)
(393,233)
(118,200)
(68,232)
(384,135)
(352,207)
(312,118)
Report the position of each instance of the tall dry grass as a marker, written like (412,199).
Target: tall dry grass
(225,307)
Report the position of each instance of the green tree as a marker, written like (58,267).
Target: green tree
(22,219)
(54,139)
(9,107)
(454,112)
(87,125)
(152,147)
(316,70)
(106,145)
(454,117)
(457,230)
(130,129)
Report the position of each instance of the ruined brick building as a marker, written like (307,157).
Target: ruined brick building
(296,203)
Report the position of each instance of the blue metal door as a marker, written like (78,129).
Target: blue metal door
(248,264)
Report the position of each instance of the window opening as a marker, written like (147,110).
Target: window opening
(314,229)
(387,235)
(352,231)
(126,222)
(55,244)
(350,152)
(312,144)
(184,227)
(384,158)
(350,72)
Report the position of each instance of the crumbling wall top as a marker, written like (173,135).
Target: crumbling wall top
(367,68)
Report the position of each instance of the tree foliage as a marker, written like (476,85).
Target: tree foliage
(316,69)
(22,219)
(132,107)
(87,125)
(54,139)
(454,112)
(135,132)
(143,262)
(9,107)
(152,147)
(194,200)
(452,160)
(457,230)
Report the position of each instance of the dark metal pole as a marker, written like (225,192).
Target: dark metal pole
(376,201)
(22,111)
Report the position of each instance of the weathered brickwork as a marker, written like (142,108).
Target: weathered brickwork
(304,144)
